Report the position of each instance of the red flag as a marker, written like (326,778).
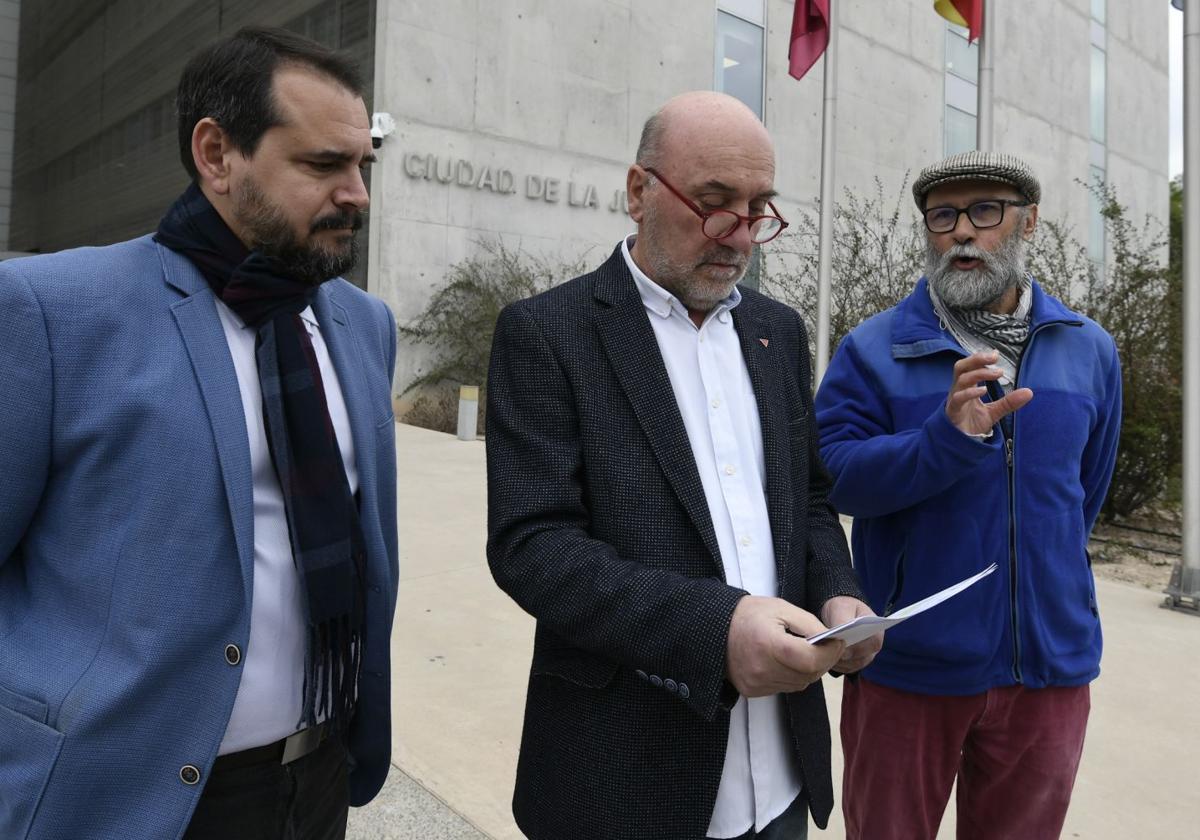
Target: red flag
(968,13)
(810,35)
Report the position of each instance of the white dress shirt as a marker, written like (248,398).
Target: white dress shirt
(269,700)
(712,388)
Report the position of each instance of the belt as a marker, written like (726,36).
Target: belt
(284,751)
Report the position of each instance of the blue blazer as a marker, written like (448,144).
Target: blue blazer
(126,536)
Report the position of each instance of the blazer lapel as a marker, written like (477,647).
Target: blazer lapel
(203,336)
(338,333)
(632,350)
(755,337)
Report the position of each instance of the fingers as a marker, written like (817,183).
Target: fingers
(859,656)
(975,362)
(763,655)
(800,622)
(807,660)
(1010,403)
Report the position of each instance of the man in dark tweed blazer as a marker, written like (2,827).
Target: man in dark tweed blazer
(656,501)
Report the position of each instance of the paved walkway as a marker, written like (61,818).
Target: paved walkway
(460,656)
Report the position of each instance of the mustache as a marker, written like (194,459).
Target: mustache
(722,254)
(965,251)
(345,220)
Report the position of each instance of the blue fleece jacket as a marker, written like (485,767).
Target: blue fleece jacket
(932,505)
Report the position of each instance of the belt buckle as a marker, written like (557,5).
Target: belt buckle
(299,744)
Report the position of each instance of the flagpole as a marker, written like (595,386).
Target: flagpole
(983,120)
(825,253)
(1185,581)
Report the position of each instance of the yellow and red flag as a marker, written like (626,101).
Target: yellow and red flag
(810,35)
(968,13)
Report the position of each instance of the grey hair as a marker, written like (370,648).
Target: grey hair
(649,151)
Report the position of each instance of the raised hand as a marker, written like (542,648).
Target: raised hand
(964,407)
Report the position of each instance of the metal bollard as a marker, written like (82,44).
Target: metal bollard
(468,411)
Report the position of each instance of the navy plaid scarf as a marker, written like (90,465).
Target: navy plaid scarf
(327,542)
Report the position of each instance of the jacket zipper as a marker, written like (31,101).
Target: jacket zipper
(899,578)
(1008,430)
(1008,427)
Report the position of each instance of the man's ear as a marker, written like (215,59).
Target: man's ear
(1031,218)
(635,185)
(211,151)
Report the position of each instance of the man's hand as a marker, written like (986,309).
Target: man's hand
(839,610)
(763,658)
(966,411)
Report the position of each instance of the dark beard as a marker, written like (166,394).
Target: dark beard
(272,236)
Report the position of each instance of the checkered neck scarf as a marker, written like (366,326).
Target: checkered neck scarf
(978,330)
(328,548)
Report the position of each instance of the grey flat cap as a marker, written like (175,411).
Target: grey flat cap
(978,166)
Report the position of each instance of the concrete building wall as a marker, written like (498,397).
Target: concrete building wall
(1138,138)
(502,97)
(10,23)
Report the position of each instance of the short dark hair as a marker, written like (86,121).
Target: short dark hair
(230,81)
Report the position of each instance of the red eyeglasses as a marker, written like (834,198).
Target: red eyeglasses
(719,224)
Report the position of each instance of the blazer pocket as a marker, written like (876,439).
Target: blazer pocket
(29,749)
(575,666)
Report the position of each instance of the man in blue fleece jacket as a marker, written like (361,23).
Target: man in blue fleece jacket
(974,422)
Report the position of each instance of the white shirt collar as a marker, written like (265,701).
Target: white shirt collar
(657,299)
(307,316)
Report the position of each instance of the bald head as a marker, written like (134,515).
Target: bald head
(704,159)
(690,121)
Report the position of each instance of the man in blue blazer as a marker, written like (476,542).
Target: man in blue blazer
(197,486)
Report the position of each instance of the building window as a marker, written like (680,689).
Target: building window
(739,52)
(1098,151)
(962,92)
(960,131)
(1098,91)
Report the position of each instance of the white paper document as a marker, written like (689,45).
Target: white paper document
(857,629)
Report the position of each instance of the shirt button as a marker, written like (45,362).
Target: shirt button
(730,469)
(716,403)
(189,774)
(746,541)
(233,654)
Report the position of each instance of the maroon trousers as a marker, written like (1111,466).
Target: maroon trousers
(1013,750)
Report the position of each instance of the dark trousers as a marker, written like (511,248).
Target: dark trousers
(306,799)
(792,824)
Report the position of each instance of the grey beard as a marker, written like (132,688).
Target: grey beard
(980,287)
(693,291)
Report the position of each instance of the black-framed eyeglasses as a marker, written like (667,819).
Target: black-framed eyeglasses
(719,224)
(983,214)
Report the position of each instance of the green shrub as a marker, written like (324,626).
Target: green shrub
(460,319)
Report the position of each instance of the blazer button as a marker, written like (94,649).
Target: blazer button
(656,681)
(670,685)
(642,675)
(189,774)
(233,654)
(684,691)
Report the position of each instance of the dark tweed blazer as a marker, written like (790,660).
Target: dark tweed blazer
(598,527)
